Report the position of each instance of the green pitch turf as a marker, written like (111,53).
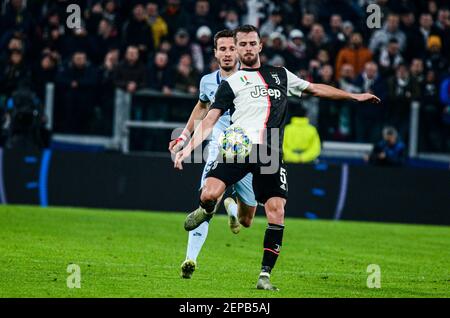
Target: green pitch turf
(138,254)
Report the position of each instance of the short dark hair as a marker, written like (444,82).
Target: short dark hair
(246,28)
(390,131)
(222,34)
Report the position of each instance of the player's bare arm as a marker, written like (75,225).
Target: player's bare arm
(198,113)
(201,132)
(327,91)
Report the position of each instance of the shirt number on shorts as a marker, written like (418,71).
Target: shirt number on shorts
(283,177)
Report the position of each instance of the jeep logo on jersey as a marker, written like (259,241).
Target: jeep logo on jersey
(262,91)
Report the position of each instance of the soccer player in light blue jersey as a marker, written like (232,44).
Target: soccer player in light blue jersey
(242,212)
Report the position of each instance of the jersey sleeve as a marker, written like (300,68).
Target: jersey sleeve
(224,97)
(203,96)
(295,85)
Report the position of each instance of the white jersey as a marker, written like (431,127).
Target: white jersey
(257,99)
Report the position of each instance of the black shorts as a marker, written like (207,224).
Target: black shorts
(269,177)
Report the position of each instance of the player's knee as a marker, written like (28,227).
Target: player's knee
(275,212)
(245,221)
(209,195)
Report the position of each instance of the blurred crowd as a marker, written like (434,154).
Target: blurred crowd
(167,45)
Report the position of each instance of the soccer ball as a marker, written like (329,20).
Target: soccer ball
(234,143)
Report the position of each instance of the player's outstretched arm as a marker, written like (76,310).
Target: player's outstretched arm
(198,113)
(201,132)
(327,91)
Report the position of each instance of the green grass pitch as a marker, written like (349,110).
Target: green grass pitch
(138,254)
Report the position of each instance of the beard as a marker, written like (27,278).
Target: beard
(249,61)
(227,68)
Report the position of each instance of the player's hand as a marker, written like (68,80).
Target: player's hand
(366,97)
(177,144)
(179,157)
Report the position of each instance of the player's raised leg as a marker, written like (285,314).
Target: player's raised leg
(212,191)
(246,213)
(272,240)
(242,212)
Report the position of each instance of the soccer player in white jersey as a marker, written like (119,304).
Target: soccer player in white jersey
(225,53)
(257,99)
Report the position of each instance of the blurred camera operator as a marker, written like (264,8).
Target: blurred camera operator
(388,152)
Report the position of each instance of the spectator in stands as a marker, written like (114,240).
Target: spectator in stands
(434,60)
(202,17)
(186,76)
(158,25)
(175,17)
(335,35)
(301,142)
(138,33)
(45,72)
(328,109)
(131,74)
(369,117)
(390,58)
(106,94)
(203,48)
(106,39)
(314,68)
(443,19)
(231,20)
(348,29)
(426,30)
(430,114)
(112,14)
(390,151)
(291,11)
(160,73)
(13,73)
(317,40)
(346,83)
(296,48)
(78,81)
(273,24)
(381,38)
(93,16)
(443,28)
(16,18)
(417,71)
(107,70)
(307,22)
(402,90)
(53,31)
(414,39)
(355,54)
(276,49)
(78,40)
(15,43)
(182,45)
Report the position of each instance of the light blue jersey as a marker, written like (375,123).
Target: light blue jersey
(208,87)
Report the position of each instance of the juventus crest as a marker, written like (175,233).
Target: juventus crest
(276,78)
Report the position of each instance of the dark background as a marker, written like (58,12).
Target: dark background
(138,182)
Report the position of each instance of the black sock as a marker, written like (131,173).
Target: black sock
(208,205)
(272,245)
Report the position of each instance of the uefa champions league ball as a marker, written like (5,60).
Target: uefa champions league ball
(234,143)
